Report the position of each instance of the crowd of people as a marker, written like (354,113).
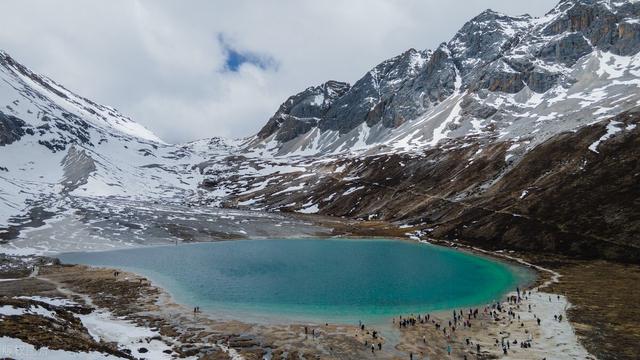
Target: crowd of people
(506,313)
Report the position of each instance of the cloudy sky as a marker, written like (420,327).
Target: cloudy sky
(200,68)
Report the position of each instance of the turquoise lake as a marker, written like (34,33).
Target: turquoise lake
(316,279)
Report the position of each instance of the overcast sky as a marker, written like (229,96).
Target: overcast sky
(195,69)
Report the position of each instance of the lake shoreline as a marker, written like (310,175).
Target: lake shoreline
(308,309)
(235,339)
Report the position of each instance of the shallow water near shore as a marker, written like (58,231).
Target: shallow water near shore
(317,280)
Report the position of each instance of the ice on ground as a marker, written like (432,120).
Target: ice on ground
(9,310)
(50,301)
(17,349)
(558,340)
(104,326)
(309,208)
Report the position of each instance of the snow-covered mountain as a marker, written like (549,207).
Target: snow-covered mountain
(500,77)
(55,144)
(60,152)
(519,132)
(498,137)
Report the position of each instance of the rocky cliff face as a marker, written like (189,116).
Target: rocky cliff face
(497,70)
(301,112)
(12,129)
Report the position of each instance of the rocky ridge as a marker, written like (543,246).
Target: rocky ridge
(498,76)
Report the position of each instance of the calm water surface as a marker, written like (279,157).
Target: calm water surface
(316,279)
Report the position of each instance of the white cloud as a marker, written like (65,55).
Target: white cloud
(160,61)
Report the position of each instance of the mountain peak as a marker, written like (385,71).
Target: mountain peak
(492,15)
(301,112)
(493,54)
(488,14)
(58,101)
(611,5)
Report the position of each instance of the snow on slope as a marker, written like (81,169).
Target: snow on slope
(499,77)
(23,80)
(16,348)
(55,144)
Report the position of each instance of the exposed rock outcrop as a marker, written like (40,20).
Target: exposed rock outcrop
(493,51)
(12,129)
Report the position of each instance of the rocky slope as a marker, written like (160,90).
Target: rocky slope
(575,194)
(499,77)
(498,137)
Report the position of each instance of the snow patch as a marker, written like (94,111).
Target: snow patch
(104,326)
(612,129)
